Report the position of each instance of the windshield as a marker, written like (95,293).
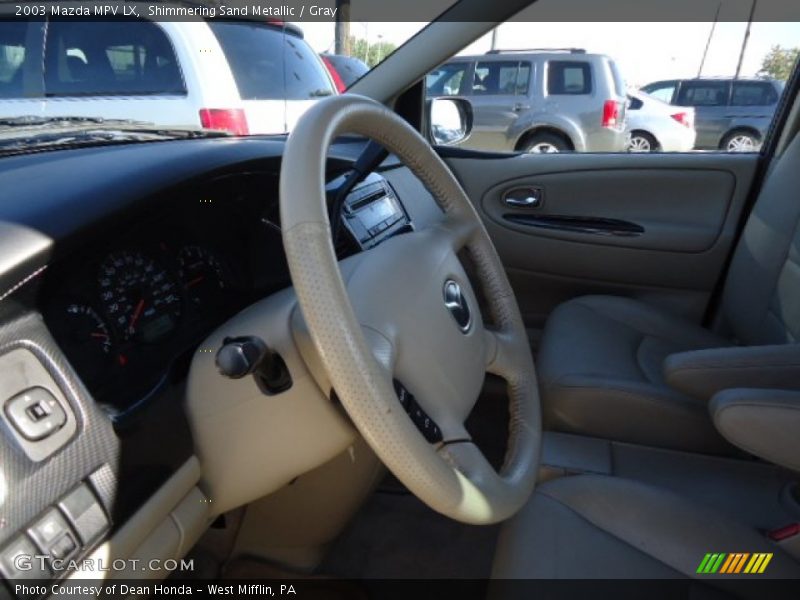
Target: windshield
(239,76)
(247,76)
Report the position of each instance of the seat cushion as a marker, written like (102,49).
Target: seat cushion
(599,527)
(600,371)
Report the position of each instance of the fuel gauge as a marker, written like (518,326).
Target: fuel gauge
(88,328)
(86,339)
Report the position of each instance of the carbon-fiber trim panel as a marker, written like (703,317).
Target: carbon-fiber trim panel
(28,487)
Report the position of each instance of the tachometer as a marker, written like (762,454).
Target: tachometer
(139,296)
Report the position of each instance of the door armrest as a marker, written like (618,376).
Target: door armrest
(703,373)
(762,422)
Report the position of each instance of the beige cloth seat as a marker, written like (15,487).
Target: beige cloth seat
(600,526)
(620,369)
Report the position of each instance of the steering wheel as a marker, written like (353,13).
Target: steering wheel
(405,322)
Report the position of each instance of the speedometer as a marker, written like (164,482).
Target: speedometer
(139,296)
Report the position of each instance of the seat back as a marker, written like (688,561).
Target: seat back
(761,298)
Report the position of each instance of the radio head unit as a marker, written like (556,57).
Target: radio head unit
(372,212)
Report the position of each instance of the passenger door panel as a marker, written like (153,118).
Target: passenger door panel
(687,206)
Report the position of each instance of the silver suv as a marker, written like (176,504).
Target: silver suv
(538,100)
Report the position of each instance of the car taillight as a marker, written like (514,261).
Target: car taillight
(683,118)
(227,119)
(611,113)
(337,80)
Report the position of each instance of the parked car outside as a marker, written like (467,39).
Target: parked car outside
(230,75)
(730,114)
(538,100)
(344,70)
(657,126)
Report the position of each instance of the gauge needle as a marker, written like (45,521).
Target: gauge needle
(137,312)
(195,281)
(95,334)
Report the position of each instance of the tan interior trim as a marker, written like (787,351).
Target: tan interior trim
(251,444)
(164,528)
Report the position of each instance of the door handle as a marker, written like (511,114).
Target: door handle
(577,224)
(524,197)
(519,106)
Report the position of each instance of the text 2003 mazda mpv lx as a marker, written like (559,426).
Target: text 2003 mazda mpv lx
(320,359)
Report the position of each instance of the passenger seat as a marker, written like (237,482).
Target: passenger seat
(620,369)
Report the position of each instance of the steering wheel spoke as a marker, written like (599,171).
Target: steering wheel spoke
(502,353)
(458,230)
(469,460)
(453,431)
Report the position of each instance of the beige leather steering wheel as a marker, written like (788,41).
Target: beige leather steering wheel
(399,317)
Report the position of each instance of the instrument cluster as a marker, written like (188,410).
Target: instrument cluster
(129,315)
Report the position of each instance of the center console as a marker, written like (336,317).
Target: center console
(372,212)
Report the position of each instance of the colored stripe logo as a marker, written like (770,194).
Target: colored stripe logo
(734,563)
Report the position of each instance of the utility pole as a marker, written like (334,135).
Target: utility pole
(746,38)
(342,43)
(366,43)
(710,35)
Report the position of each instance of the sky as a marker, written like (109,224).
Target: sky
(645,52)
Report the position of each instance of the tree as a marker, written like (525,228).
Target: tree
(372,53)
(779,62)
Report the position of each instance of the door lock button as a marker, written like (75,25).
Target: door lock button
(35,413)
(48,529)
(63,547)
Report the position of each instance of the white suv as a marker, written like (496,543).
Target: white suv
(241,76)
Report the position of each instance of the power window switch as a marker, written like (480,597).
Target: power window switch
(49,529)
(35,413)
(85,513)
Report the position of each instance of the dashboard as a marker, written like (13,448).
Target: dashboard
(129,307)
(116,264)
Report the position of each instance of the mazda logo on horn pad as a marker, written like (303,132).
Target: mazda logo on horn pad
(456,303)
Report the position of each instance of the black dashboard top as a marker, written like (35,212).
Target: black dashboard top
(48,198)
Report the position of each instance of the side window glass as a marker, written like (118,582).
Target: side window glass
(110,58)
(626,94)
(507,78)
(496,78)
(663,93)
(703,93)
(753,93)
(568,78)
(12,57)
(523,79)
(446,80)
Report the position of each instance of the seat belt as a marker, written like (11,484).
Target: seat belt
(788,538)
